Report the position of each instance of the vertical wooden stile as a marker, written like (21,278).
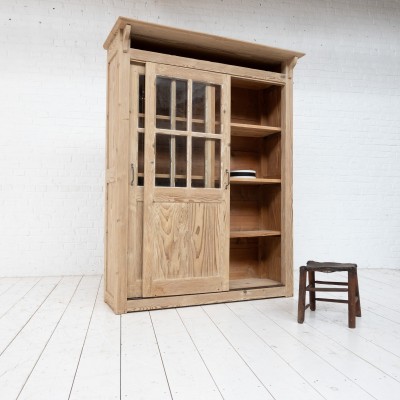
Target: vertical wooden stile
(287,177)
(149,173)
(133,157)
(225,148)
(135,241)
(209,150)
(189,129)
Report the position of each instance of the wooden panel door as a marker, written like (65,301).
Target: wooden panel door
(186,185)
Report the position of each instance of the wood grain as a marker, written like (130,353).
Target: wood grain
(175,241)
(110,188)
(268,77)
(252,130)
(185,229)
(201,42)
(203,298)
(287,177)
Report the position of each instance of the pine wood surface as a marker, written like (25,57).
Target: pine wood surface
(233,351)
(202,42)
(255,181)
(248,130)
(255,75)
(165,241)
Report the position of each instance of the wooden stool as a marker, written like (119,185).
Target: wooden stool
(353,299)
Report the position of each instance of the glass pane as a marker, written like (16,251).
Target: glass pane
(198,107)
(181,165)
(140,181)
(163,103)
(206,163)
(181,105)
(206,108)
(171,104)
(163,160)
(171,166)
(141,100)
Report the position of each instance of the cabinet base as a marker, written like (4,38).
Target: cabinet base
(154,303)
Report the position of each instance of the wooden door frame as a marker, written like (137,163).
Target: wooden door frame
(152,193)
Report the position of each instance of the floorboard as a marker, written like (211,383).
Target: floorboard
(19,359)
(54,371)
(16,292)
(142,370)
(234,378)
(98,373)
(14,320)
(59,340)
(186,372)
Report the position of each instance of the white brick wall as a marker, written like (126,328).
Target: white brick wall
(52,123)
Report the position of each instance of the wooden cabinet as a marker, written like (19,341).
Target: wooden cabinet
(183,110)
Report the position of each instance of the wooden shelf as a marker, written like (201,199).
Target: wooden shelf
(254,181)
(248,283)
(258,233)
(253,130)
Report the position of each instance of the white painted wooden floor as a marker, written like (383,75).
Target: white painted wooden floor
(58,340)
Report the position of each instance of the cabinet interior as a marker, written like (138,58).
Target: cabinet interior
(255,204)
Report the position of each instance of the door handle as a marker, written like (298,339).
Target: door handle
(133,174)
(228,179)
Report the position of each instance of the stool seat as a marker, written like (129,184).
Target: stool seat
(353,298)
(329,266)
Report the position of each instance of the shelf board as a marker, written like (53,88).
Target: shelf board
(258,233)
(254,181)
(253,130)
(248,283)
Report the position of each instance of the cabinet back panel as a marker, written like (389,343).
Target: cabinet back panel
(243,262)
(271,156)
(245,154)
(255,258)
(261,154)
(245,208)
(271,207)
(245,106)
(270,106)
(270,258)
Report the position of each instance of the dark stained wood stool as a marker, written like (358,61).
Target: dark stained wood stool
(353,299)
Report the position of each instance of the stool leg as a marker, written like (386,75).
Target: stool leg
(311,281)
(302,295)
(352,298)
(358,306)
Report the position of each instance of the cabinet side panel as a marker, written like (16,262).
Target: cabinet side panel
(112,132)
(117,180)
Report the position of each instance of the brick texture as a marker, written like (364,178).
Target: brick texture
(52,123)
